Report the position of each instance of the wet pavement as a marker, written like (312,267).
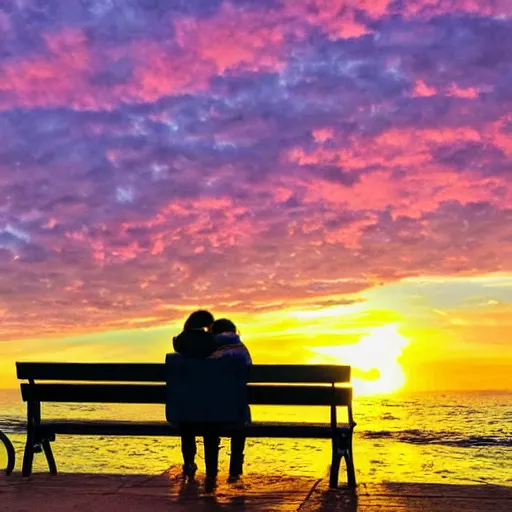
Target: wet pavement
(265,493)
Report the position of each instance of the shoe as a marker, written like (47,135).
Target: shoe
(189,469)
(210,483)
(233,478)
(236,468)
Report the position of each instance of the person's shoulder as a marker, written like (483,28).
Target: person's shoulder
(247,353)
(227,338)
(244,345)
(238,351)
(179,336)
(177,341)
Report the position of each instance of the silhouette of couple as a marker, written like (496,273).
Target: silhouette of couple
(203,337)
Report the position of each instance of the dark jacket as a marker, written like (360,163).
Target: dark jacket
(206,390)
(230,345)
(195,343)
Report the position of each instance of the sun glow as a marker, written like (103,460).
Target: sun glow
(374,359)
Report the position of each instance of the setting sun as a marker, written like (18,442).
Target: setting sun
(376,355)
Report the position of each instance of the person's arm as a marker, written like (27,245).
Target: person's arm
(177,344)
(248,356)
(241,352)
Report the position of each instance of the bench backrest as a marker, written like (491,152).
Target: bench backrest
(144,383)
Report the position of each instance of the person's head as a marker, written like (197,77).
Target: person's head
(223,325)
(200,319)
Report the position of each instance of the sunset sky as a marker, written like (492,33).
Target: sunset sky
(334,175)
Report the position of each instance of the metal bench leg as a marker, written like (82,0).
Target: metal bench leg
(52,466)
(33,419)
(335,464)
(351,474)
(28,457)
(11,454)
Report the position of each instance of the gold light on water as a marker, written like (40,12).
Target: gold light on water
(378,351)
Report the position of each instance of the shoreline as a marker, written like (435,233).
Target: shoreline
(265,493)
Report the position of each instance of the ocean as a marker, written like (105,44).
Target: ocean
(450,437)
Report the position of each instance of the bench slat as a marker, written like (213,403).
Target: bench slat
(156,394)
(155,372)
(160,428)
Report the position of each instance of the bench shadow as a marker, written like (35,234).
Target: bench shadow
(411,497)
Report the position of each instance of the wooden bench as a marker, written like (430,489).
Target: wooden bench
(144,383)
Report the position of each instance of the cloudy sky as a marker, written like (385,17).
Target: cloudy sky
(314,168)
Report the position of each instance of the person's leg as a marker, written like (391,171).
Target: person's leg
(188,447)
(188,450)
(236,462)
(211,453)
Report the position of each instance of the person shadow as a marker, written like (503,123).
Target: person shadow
(344,500)
(202,497)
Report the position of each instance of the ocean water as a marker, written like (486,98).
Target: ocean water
(424,437)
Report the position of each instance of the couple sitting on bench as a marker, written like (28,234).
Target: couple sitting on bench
(217,395)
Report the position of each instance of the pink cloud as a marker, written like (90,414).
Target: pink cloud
(65,76)
(436,7)
(422,188)
(336,17)
(350,235)
(49,81)
(162,71)
(469,93)
(500,135)
(234,37)
(323,134)
(422,90)
(216,223)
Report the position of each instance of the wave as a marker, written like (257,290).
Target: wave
(13,425)
(438,438)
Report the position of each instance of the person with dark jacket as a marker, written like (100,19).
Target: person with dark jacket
(229,345)
(195,341)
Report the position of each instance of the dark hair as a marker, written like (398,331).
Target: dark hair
(223,325)
(198,320)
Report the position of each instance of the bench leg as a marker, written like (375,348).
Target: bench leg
(28,457)
(33,418)
(351,473)
(11,454)
(52,466)
(335,464)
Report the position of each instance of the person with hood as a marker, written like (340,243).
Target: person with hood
(229,345)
